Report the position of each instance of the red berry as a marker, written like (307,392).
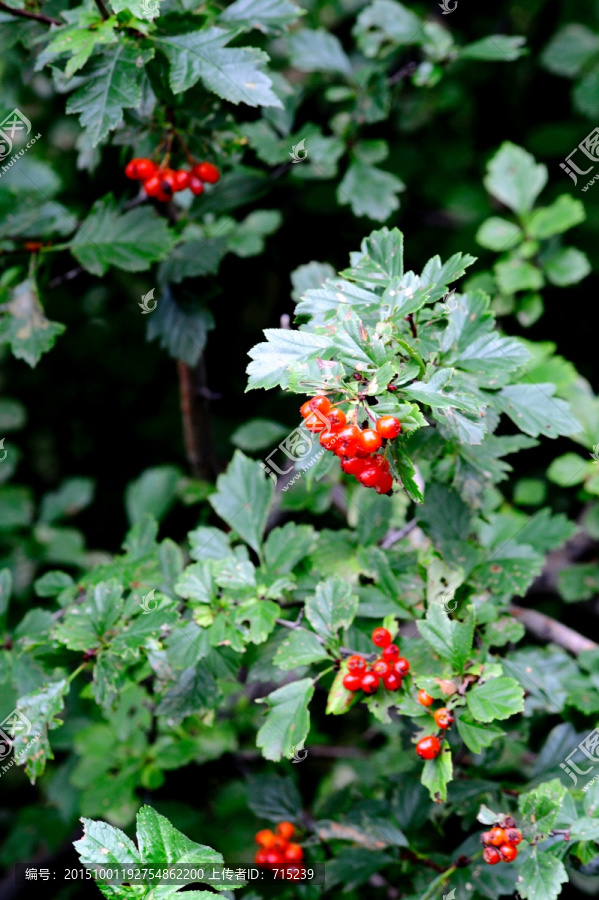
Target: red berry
(497,836)
(305,409)
(152,186)
(369,440)
(370,682)
(316,422)
(347,443)
(131,169)
(370,474)
(322,404)
(329,438)
(265,838)
(509,822)
(381,637)
(491,856)
(294,853)
(392,681)
(353,466)
(285,830)
(428,747)
(513,835)
(181,179)
(385,483)
(391,653)
(167,181)
(207,172)
(356,663)
(195,185)
(260,857)
(274,858)
(352,681)
(336,417)
(485,836)
(146,168)
(508,852)
(443,717)
(388,426)
(401,666)
(381,668)
(424,698)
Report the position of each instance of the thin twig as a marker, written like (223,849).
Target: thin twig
(397,534)
(103,11)
(24,14)
(548,629)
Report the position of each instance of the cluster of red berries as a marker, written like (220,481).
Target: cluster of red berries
(429,747)
(356,447)
(276,848)
(162,183)
(389,668)
(501,841)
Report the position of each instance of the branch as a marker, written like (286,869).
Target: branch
(548,629)
(38,17)
(196,422)
(395,535)
(102,9)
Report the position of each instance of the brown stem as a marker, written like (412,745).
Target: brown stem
(413,857)
(547,629)
(196,425)
(404,72)
(412,325)
(38,17)
(103,11)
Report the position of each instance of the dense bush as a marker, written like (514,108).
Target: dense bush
(392,205)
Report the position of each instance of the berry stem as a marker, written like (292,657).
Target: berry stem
(24,14)
(102,9)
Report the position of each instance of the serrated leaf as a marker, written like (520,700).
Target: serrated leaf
(332,606)
(243,497)
(534,409)
(272,361)
(270,16)
(451,639)
(287,721)
(386,20)
(114,84)
(498,698)
(433,394)
(131,241)
(514,177)
(300,648)
(475,735)
(84,626)
(232,73)
(437,773)
(161,843)
(563,214)
(495,48)
(182,330)
(369,191)
(77,40)
(194,692)
(40,708)
(274,798)
(318,51)
(570,49)
(23,324)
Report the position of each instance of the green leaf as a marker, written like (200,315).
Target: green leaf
(287,545)
(498,698)
(30,739)
(5,589)
(234,74)
(182,330)
(114,84)
(370,191)
(499,234)
(198,252)
(578,582)
(563,214)
(194,693)
(132,241)
(272,361)
(332,606)
(73,495)
(153,493)
(243,497)
(541,876)
(24,325)
(516,275)
(257,434)
(451,639)
(534,409)
(567,266)
(433,394)
(495,48)
(104,842)
(160,843)
(493,358)
(274,798)
(585,95)
(475,735)
(84,627)
(300,648)
(317,51)
(570,49)
(437,773)
(77,40)
(353,866)
(386,20)
(569,469)
(248,238)
(540,808)
(514,178)
(287,721)
(270,16)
